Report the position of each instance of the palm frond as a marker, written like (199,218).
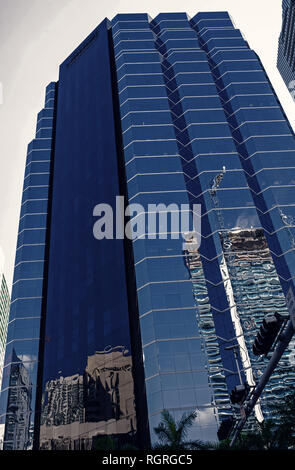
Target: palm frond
(166,430)
(163,432)
(185,423)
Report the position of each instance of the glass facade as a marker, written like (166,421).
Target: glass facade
(4,315)
(88,350)
(19,385)
(286,52)
(256,292)
(196,103)
(75,409)
(106,334)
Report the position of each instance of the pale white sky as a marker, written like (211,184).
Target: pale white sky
(37,35)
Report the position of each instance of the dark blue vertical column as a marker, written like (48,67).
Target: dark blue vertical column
(87,354)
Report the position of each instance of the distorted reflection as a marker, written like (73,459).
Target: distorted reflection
(77,410)
(205,318)
(257,292)
(18,432)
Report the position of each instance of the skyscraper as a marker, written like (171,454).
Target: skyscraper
(286,52)
(164,111)
(4,314)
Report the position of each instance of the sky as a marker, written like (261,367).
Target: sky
(37,35)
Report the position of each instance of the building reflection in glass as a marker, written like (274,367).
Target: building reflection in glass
(253,291)
(257,292)
(77,410)
(18,432)
(205,318)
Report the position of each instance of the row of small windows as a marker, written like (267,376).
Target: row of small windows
(233,104)
(186,59)
(203,143)
(215,17)
(239,116)
(151,55)
(182,56)
(167,148)
(193,90)
(267,178)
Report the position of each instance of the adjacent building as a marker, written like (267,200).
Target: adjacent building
(105,334)
(4,314)
(286,53)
